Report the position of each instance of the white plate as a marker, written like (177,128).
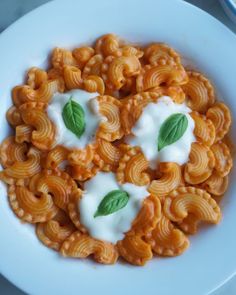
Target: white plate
(211,259)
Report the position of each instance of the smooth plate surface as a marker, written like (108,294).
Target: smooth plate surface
(204,42)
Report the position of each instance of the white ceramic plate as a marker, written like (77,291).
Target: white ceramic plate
(203,41)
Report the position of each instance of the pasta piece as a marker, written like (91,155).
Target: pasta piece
(147,218)
(185,200)
(73,210)
(223,159)
(81,172)
(36,77)
(94,84)
(176,93)
(189,224)
(13,116)
(23,133)
(107,45)
(171,178)
(62,57)
(204,129)
(115,70)
(54,232)
(129,50)
(22,170)
(220,115)
(11,152)
(111,45)
(29,207)
(129,88)
(44,134)
(83,55)
(55,74)
(156,76)
(56,157)
(43,94)
(56,183)
(199,91)
(134,250)
(166,239)
(82,157)
(215,184)
(110,129)
(132,167)
(80,245)
(200,165)
(93,66)
(161,54)
(107,155)
(72,77)
(132,108)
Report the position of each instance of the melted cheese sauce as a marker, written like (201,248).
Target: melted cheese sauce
(111,227)
(90,106)
(146,132)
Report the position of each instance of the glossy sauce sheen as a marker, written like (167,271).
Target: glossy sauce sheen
(111,227)
(92,118)
(146,132)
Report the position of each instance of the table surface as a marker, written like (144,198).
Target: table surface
(11,10)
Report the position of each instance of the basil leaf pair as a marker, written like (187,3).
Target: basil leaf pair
(112,202)
(74,117)
(172,129)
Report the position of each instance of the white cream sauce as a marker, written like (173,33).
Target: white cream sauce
(111,227)
(90,106)
(146,132)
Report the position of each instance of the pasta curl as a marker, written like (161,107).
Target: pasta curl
(34,115)
(11,152)
(110,129)
(23,133)
(115,71)
(107,155)
(223,159)
(155,76)
(80,245)
(29,207)
(171,178)
(200,165)
(199,91)
(22,169)
(166,239)
(220,116)
(161,54)
(204,129)
(55,183)
(198,202)
(148,217)
(215,184)
(133,168)
(54,232)
(134,250)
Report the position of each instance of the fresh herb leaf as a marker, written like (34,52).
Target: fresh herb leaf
(172,129)
(112,202)
(74,117)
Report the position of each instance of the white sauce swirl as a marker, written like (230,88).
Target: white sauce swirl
(147,128)
(111,227)
(90,106)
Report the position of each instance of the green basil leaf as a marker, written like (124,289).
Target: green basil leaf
(74,117)
(112,202)
(172,129)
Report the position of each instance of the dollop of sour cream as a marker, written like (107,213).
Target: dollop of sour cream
(93,118)
(147,128)
(111,227)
